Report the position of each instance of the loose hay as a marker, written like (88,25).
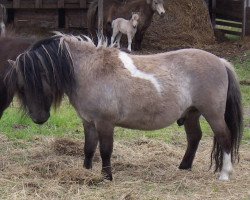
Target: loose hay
(79,176)
(142,169)
(68,147)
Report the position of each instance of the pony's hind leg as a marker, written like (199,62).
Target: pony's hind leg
(115,32)
(105,134)
(194,134)
(222,146)
(91,141)
(119,36)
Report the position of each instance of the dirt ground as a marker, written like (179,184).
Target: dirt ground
(50,168)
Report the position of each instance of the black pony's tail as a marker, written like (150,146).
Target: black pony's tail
(233,117)
(91,18)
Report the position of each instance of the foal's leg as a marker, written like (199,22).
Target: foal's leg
(115,32)
(119,36)
(194,134)
(223,146)
(91,140)
(105,133)
(129,41)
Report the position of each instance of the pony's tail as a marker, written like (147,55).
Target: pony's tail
(233,117)
(91,17)
(3,20)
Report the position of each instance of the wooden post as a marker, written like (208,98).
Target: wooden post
(247,19)
(83,3)
(100,18)
(213,15)
(60,4)
(38,4)
(16,3)
(244,18)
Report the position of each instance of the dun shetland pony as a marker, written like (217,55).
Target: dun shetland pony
(122,26)
(111,88)
(10,48)
(113,9)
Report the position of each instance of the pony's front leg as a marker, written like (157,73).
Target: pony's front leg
(112,40)
(138,40)
(129,42)
(105,133)
(91,141)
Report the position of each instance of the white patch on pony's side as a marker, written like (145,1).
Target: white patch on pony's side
(227,167)
(129,64)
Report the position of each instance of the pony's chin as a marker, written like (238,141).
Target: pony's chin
(40,122)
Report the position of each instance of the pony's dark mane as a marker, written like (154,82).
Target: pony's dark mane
(50,59)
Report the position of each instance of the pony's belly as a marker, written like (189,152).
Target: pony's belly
(148,124)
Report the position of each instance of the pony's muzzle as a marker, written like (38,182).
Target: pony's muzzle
(162,13)
(41,119)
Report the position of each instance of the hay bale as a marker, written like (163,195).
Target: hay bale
(186,23)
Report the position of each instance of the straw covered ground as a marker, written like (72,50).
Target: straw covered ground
(49,168)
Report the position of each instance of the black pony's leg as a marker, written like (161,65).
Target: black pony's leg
(138,39)
(194,134)
(105,133)
(109,32)
(91,141)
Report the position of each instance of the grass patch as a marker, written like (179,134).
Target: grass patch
(15,125)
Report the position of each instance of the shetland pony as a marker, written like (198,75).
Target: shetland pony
(111,88)
(122,26)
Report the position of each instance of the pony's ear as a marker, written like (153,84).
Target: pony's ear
(12,62)
(148,1)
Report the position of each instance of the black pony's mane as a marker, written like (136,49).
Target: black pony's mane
(48,59)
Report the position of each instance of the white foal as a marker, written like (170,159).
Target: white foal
(122,26)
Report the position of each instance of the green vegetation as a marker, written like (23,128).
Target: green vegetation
(66,123)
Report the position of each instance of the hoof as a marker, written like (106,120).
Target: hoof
(224,177)
(185,166)
(87,164)
(107,176)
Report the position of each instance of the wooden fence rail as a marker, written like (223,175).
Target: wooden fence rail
(47,13)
